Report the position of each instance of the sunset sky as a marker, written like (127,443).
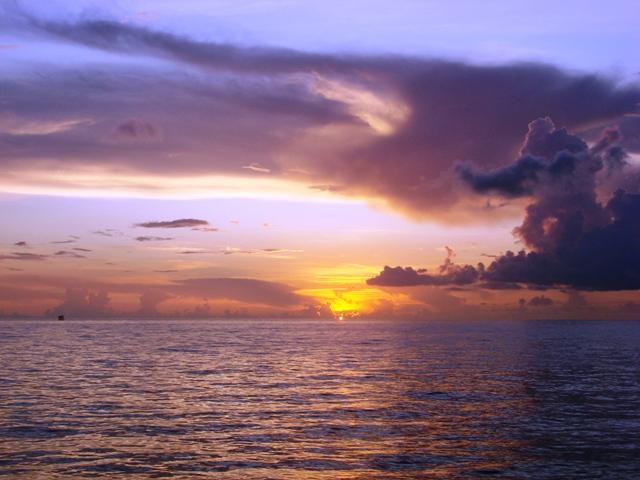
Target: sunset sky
(205,158)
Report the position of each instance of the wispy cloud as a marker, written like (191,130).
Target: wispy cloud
(256,167)
(152,239)
(68,254)
(22,256)
(179,223)
(108,232)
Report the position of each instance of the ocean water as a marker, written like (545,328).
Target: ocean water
(319,400)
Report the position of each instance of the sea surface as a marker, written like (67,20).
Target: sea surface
(286,399)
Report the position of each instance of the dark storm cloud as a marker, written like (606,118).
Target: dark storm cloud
(547,152)
(468,113)
(457,112)
(605,257)
(513,180)
(500,286)
(574,238)
(179,223)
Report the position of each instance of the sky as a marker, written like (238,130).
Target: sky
(319,159)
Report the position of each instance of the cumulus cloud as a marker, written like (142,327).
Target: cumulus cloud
(575,238)
(149,301)
(405,277)
(84,302)
(179,223)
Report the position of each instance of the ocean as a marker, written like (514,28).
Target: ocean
(299,399)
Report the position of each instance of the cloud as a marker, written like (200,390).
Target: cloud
(243,290)
(180,223)
(135,130)
(68,254)
(575,238)
(92,297)
(256,167)
(575,300)
(206,229)
(277,252)
(108,232)
(21,244)
(328,188)
(80,249)
(449,274)
(540,301)
(316,119)
(152,239)
(84,302)
(16,126)
(23,256)
(149,301)
(404,277)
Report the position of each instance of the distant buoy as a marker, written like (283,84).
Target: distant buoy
(60,317)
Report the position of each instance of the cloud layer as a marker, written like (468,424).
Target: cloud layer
(388,128)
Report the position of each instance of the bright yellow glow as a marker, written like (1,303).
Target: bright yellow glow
(346,300)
